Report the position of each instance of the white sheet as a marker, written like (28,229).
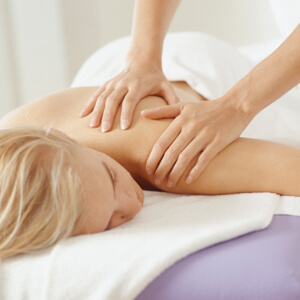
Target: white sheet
(120,263)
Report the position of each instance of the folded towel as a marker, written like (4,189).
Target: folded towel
(120,263)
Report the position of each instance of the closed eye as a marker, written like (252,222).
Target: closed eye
(114,177)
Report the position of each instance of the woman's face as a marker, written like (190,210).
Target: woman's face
(111,196)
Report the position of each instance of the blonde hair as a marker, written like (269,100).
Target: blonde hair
(40,189)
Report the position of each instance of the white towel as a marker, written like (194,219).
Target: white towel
(120,263)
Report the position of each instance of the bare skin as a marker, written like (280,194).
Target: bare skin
(245,165)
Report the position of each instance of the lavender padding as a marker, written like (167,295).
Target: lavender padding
(260,265)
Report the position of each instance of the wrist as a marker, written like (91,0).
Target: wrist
(243,99)
(144,59)
(145,54)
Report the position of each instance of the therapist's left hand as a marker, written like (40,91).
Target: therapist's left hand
(206,127)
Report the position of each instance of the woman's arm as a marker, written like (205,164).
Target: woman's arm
(142,75)
(270,79)
(150,25)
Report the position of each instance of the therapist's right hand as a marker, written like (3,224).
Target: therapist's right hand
(134,83)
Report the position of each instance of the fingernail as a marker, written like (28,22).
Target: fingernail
(105,126)
(148,170)
(124,124)
(93,121)
(156,181)
(189,179)
(169,183)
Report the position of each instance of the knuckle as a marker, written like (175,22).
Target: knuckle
(109,90)
(135,84)
(120,86)
(100,90)
(101,98)
(111,98)
(123,82)
(185,119)
(206,132)
(150,166)
(174,176)
(128,100)
(183,157)
(218,140)
(109,85)
(193,127)
(170,155)
(204,159)
(157,174)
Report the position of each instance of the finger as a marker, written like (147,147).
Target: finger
(171,155)
(184,159)
(128,108)
(161,145)
(167,111)
(111,106)
(204,159)
(97,112)
(91,103)
(169,95)
(99,108)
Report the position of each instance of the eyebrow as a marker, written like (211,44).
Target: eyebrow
(110,176)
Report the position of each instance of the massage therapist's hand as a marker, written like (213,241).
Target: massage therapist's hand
(206,127)
(135,82)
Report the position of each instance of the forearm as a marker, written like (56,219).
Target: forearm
(270,79)
(150,25)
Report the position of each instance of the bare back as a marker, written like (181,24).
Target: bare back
(130,147)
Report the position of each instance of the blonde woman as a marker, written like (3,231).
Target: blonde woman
(61,178)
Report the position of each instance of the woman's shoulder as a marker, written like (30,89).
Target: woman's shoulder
(60,110)
(49,108)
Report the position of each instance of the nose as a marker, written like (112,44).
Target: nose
(126,216)
(120,220)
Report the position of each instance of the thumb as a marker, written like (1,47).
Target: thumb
(162,112)
(169,95)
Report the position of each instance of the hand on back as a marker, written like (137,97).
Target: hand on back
(134,83)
